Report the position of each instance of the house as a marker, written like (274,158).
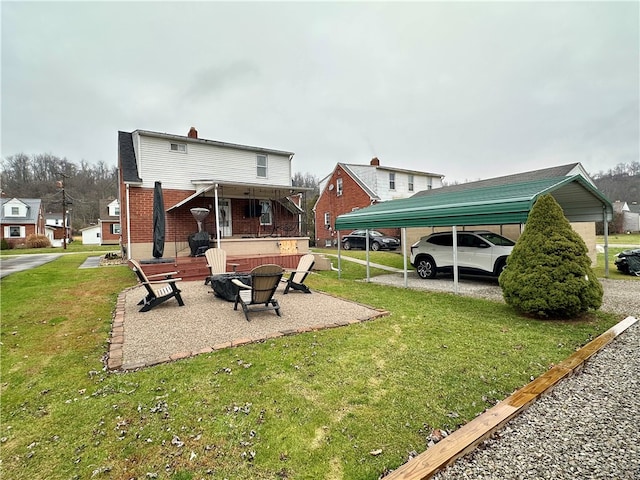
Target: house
(109,222)
(54,229)
(350,187)
(21,217)
(215,194)
(627,217)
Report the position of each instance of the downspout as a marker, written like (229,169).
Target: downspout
(218,233)
(128,226)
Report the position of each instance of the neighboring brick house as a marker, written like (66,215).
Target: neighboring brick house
(351,186)
(109,221)
(21,217)
(247,190)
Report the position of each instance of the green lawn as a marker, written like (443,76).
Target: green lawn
(631,239)
(73,247)
(310,406)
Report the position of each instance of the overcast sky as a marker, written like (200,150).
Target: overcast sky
(468,90)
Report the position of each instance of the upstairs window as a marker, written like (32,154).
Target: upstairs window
(410,183)
(327,218)
(261,166)
(179,147)
(392,181)
(339,187)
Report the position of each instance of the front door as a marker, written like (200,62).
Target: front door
(224,217)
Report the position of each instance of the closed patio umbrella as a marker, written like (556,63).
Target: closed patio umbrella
(158,221)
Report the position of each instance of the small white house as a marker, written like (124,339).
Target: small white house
(91,235)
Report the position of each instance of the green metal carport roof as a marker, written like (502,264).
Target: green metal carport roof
(495,205)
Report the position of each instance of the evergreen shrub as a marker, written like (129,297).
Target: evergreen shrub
(4,245)
(549,273)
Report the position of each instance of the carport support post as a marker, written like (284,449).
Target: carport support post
(455,259)
(403,239)
(605,226)
(366,247)
(339,265)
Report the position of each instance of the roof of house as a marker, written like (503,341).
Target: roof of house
(33,207)
(104,210)
(128,157)
(559,171)
(500,203)
(350,168)
(634,207)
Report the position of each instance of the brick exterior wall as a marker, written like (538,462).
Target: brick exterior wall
(180,222)
(353,196)
(108,238)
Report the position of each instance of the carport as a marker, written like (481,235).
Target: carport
(506,204)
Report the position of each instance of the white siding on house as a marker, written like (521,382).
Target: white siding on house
(420,182)
(176,170)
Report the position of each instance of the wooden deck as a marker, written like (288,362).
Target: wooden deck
(195,268)
(467,437)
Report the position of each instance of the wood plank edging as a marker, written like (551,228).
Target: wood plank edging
(469,436)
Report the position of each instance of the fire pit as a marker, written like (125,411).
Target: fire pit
(199,241)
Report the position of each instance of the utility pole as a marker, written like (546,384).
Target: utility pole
(60,184)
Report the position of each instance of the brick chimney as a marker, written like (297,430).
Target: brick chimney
(193,133)
(375,161)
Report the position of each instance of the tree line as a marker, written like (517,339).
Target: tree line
(38,176)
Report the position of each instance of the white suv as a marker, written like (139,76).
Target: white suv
(481,252)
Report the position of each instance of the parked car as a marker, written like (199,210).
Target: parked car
(481,252)
(628,261)
(377,241)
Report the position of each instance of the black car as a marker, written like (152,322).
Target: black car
(628,262)
(377,241)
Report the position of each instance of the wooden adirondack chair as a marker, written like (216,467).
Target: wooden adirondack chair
(156,297)
(297,277)
(216,261)
(259,296)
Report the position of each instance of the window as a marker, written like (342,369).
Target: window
(410,183)
(179,147)
(392,181)
(115,228)
(339,187)
(14,231)
(15,211)
(266,217)
(261,166)
(116,211)
(429,186)
(327,242)
(327,218)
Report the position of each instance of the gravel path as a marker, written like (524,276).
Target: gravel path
(585,428)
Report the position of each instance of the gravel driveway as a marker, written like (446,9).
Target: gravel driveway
(620,296)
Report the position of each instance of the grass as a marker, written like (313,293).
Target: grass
(630,239)
(309,406)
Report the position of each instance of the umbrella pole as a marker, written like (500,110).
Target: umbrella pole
(218,235)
